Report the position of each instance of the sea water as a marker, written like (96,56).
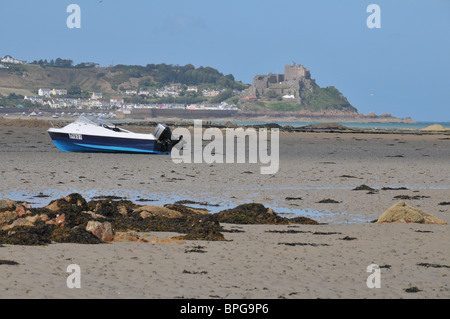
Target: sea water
(380,126)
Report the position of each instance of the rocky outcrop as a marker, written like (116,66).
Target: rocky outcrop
(403,213)
(257,214)
(72,219)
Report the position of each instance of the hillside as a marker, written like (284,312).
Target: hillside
(27,79)
(293,91)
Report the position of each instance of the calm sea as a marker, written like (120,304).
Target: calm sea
(383,126)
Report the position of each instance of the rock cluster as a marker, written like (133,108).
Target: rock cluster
(71,219)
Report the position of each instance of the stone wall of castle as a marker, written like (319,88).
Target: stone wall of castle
(289,83)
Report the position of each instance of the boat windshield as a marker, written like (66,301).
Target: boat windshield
(86,119)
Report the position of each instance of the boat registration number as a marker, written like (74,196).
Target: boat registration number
(75,136)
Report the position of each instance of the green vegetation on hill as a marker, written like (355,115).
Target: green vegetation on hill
(316,100)
(111,80)
(159,75)
(326,99)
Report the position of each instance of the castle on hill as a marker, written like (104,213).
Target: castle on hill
(289,85)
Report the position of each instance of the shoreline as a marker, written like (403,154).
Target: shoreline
(320,127)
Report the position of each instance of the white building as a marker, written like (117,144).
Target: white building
(53,104)
(288,97)
(144,92)
(97,95)
(44,92)
(210,93)
(10,59)
(116,101)
(58,92)
(34,99)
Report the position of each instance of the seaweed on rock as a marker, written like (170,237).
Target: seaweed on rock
(65,220)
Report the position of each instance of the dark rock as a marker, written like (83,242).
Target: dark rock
(363,188)
(256,213)
(71,202)
(303,220)
(111,208)
(186,210)
(76,235)
(28,235)
(427,265)
(294,198)
(407,197)
(196,249)
(412,290)
(303,244)
(328,201)
(348,238)
(290,231)
(8,262)
(196,227)
(195,272)
(326,233)
(249,214)
(43,234)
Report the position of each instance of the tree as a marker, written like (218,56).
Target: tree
(74,90)
(222,96)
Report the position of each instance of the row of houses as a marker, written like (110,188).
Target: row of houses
(64,102)
(48,92)
(171,90)
(116,103)
(126,108)
(44,92)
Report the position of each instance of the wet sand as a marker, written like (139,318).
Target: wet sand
(254,263)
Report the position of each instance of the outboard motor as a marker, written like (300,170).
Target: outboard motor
(164,135)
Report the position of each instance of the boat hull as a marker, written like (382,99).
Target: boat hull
(105,144)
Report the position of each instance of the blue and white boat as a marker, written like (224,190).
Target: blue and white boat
(90,134)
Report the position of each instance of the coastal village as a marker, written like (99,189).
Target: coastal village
(58,98)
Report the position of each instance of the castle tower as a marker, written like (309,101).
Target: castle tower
(295,72)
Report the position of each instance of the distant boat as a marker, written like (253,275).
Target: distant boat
(91,134)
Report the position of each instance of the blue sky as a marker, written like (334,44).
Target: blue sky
(402,68)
